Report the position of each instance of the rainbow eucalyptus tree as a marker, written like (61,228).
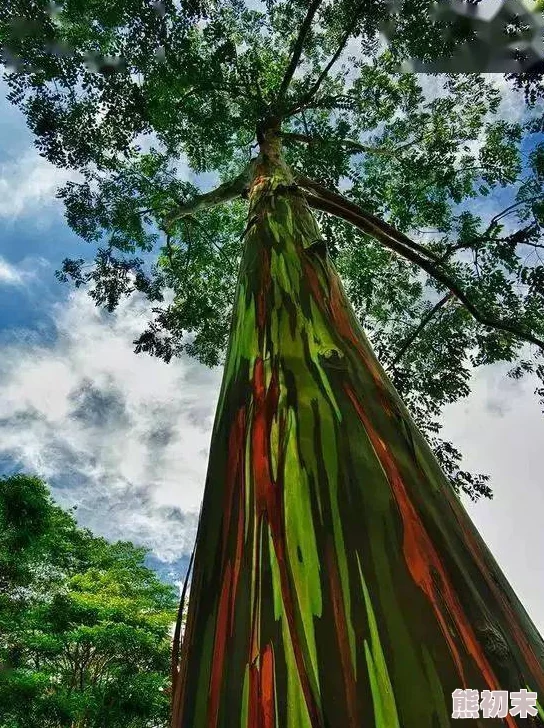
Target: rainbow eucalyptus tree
(314,213)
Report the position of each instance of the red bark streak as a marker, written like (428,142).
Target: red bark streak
(225,614)
(533,663)
(254,647)
(340,619)
(421,558)
(235,477)
(262,700)
(268,698)
(239,550)
(254,708)
(235,472)
(269,505)
(220,640)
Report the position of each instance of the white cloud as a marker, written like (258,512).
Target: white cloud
(29,183)
(499,429)
(23,273)
(124,437)
(9,274)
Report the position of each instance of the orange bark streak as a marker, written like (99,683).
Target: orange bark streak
(421,557)
(216,677)
(268,699)
(533,663)
(342,325)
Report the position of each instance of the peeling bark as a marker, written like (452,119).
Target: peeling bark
(338,581)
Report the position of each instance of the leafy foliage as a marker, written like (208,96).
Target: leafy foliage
(129,94)
(84,625)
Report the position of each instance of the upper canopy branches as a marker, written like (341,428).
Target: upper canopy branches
(141,96)
(199,75)
(429,261)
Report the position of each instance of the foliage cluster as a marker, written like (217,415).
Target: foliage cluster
(84,624)
(130,94)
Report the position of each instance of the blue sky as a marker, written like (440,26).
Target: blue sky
(125,437)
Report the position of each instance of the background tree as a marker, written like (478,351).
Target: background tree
(315,590)
(84,624)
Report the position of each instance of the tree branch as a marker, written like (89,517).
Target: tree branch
(354,147)
(296,51)
(224,193)
(424,321)
(512,207)
(515,239)
(375,222)
(309,95)
(209,238)
(379,231)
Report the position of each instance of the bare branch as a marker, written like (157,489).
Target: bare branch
(514,239)
(512,207)
(381,231)
(296,50)
(224,193)
(416,332)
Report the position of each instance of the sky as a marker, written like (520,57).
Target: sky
(125,437)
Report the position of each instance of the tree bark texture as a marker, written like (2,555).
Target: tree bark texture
(338,581)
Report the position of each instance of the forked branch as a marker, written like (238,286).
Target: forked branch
(296,51)
(224,193)
(314,88)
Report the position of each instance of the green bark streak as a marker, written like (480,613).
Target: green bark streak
(338,582)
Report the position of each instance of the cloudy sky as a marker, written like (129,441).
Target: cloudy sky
(125,437)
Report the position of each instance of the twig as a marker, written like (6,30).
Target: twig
(424,321)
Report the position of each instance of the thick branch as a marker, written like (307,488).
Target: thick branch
(384,227)
(224,193)
(416,332)
(361,220)
(298,45)
(354,147)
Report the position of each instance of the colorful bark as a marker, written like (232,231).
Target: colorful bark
(338,581)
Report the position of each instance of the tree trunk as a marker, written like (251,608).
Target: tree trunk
(338,581)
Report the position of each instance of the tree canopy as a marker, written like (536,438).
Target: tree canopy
(84,624)
(430,202)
